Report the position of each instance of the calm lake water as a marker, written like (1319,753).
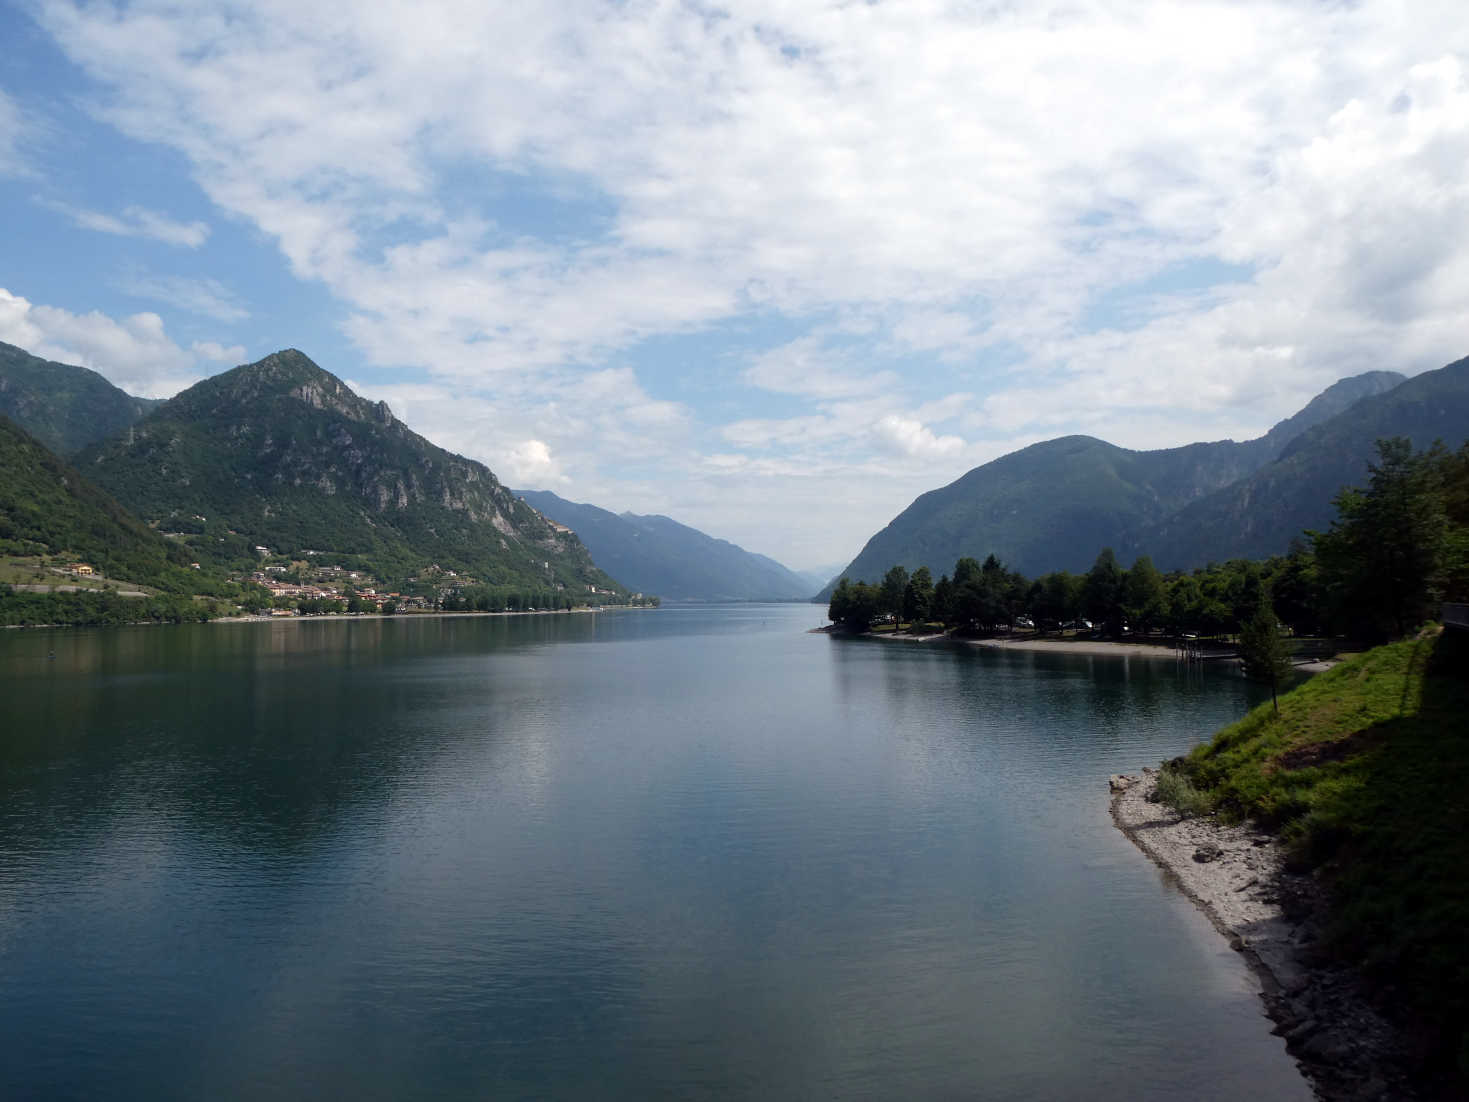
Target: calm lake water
(673,854)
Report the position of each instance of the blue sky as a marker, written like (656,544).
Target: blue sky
(770,269)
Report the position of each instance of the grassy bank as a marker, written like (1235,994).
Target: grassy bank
(1365,773)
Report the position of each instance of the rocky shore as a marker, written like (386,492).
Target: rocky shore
(1237,877)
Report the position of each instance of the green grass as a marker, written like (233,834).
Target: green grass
(1365,774)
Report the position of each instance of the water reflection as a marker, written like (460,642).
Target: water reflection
(691,852)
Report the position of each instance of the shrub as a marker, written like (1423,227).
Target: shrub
(1177,791)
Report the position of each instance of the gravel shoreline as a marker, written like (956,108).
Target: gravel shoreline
(1236,875)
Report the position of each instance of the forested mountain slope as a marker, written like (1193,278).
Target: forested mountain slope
(1053,505)
(63,406)
(47,508)
(1259,515)
(282,454)
(654,554)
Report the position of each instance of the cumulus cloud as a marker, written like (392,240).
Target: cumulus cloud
(906,436)
(530,464)
(961,186)
(134,221)
(134,353)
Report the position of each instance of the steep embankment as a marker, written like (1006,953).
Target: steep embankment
(1364,777)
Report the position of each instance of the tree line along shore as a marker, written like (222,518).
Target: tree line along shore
(1395,550)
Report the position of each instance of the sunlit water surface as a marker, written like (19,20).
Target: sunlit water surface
(673,854)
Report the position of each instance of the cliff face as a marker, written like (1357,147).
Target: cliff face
(283,454)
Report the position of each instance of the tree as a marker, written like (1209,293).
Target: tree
(1262,651)
(1379,560)
(918,596)
(1143,597)
(894,582)
(854,606)
(943,600)
(1101,592)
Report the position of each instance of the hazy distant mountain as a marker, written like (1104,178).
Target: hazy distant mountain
(283,454)
(657,555)
(820,576)
(1259,515)
(1054,505)
(63,406)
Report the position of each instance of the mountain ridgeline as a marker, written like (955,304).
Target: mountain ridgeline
(63,406)
(1051,506)
(657,555)
(282,454)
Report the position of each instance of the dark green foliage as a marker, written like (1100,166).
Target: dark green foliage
(282,454)
(1378,561)
(854,606)
(1102,592)
(894,584)
(654,554)
(1264,655)
(918,597)
(47,508)
(62,406)
(98,608)
(1144,599)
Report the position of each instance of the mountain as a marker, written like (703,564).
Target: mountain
(282,454)
(63,406)
(1054,505)
(820,576)
(47,508)
(1259,515)
(657,555)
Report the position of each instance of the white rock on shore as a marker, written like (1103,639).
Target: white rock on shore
(1237,877)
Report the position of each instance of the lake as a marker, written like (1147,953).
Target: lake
(685,853)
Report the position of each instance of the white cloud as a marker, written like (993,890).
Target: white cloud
(218,353)
(906,436)
(12,129)
(959,186)
(531,464)
(204,296)
(134,353)
(134,222)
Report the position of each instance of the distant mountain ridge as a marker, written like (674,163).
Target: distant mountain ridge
(63,406)
(1054,505)
(657,555)
(283,454)
(1259,515)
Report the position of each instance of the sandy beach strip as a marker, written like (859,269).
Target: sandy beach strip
(1093,647)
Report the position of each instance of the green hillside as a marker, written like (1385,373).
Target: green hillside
(47,508)
(62,406)
(1052,505)
(1365,771)
(284,455)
